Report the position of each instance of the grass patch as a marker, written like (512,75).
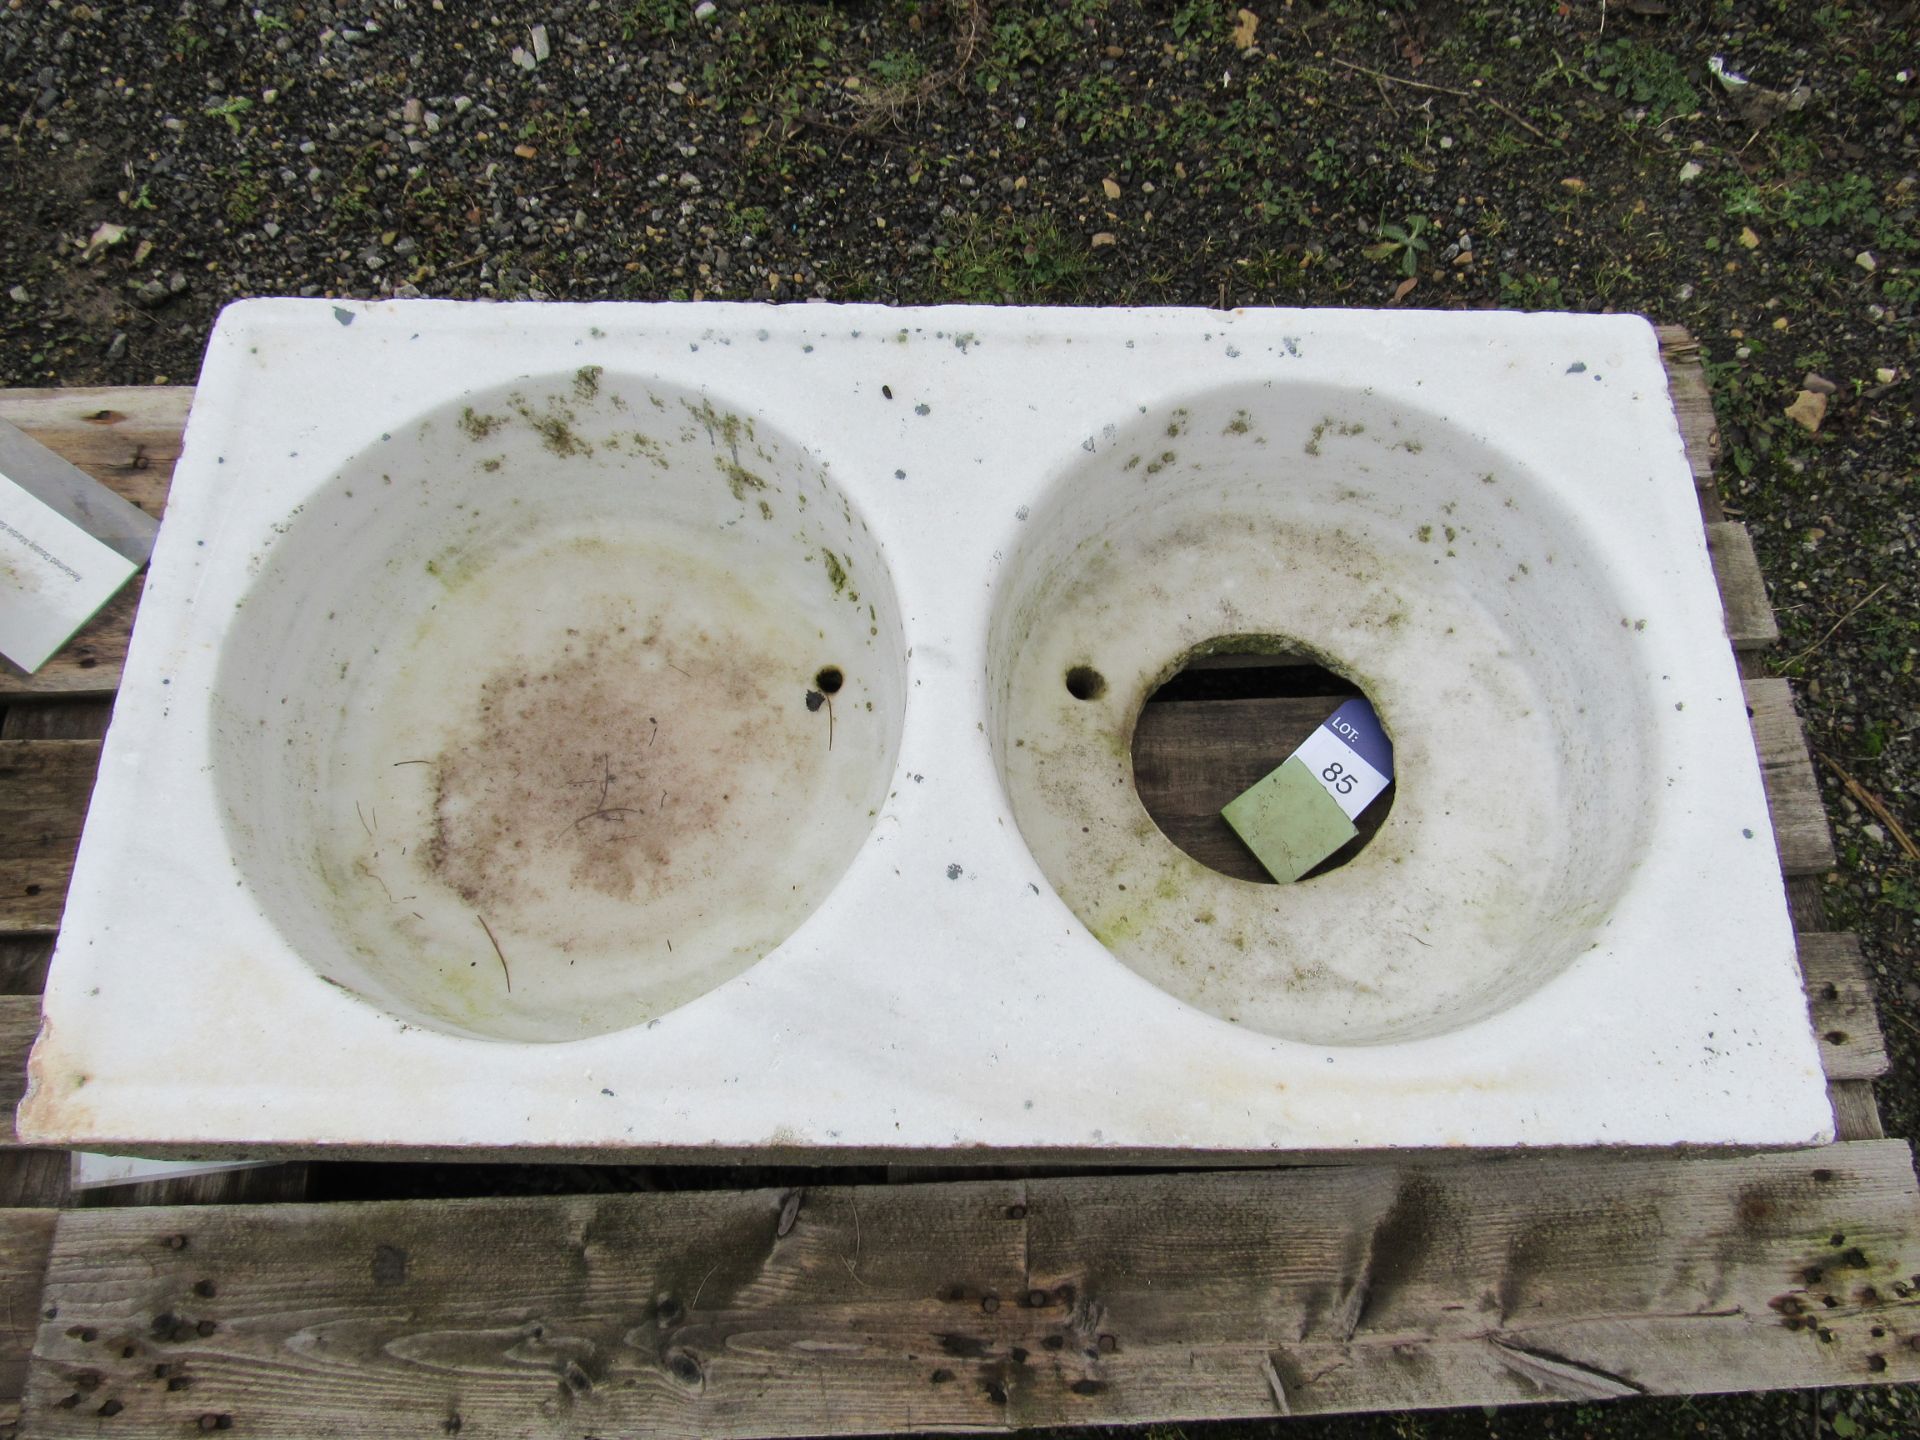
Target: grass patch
(1643,73)
(995,260)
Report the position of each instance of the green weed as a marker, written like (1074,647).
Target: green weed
(653,19)
(230,110)
(245,198)
(1644,74)
(1000,260)
(897,67)
(1018,41)
(1531,292)
(1406,242)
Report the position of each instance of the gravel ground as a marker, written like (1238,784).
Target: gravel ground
(160,160)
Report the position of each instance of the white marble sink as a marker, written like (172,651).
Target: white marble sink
(602,730)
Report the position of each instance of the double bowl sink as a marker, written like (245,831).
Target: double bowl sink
(698,730)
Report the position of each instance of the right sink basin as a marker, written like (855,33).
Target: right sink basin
(1441,576)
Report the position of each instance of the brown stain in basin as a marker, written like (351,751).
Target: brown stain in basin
(608,767)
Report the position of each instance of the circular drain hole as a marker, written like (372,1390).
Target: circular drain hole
(829,680)
(1086,683)
(1221,723)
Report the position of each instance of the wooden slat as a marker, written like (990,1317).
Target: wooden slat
(35,1178)
(1793,795)
(988,1305)
(23,963)
(44,789)
(56,720)
(1855,1112)
(1190,757)
(1840,995)
(1743,593)
(1692,405)
(128,439)
(90,663)
(24,958)
(19,1023)
(1806,903)
(26,1237)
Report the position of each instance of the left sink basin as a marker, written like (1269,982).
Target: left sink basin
(512,730)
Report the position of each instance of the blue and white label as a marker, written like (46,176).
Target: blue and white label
(1351,756)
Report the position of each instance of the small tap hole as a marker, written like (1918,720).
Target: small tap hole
(1086,683)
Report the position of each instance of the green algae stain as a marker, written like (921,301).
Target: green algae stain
(651,448)
(554,427)
(556,435)
(478,426)
(739,479)
(1338,427)
(836,570)
(728,429)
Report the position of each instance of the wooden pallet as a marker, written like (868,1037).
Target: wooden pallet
(808,1306)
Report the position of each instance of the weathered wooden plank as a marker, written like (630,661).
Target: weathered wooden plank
(19,1023)
(986,1305)
(24,958)
(717,1312)
(1250,660)
(44,789)
(1807,904)
(56,720)
(26,1237)
(23,963)
(1841,998)
(1856,1114)
(1507,1281)
(1793,795)
(34,1178)
(128,439)
(1743,592)
(1191,757)
(1692,404)
(87,665)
